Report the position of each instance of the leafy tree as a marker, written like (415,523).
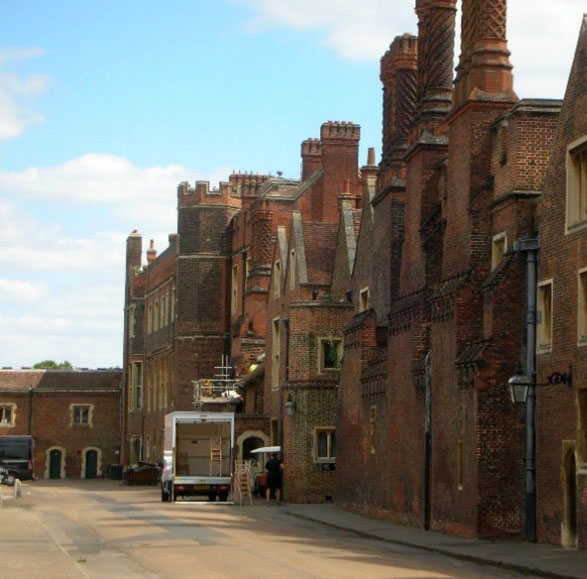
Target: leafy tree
(52,365)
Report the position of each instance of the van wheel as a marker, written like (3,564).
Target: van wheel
(212,497)
(222,497)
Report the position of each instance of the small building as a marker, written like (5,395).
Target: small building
(73,416)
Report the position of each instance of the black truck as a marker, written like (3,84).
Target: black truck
(16,455)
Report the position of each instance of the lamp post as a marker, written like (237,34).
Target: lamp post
(523,391)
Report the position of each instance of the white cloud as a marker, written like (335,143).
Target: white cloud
(19,290)
(542,33)
(78,247)
(16,91)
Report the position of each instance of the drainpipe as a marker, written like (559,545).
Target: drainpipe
(427,438)
(30,410)
(530,245)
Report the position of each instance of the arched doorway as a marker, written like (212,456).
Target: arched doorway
(249,444)
(91,470)
(569,530)
(55,462)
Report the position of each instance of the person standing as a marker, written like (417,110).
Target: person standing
(274,468)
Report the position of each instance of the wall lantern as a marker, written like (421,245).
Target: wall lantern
(290,405)
(518,386)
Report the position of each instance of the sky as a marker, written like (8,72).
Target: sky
(106,105)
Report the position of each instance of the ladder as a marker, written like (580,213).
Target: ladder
(242,482)
(215,456)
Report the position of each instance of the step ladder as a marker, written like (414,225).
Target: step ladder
(242,483)
(215,457)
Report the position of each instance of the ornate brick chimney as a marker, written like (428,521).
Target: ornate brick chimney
(398,75)
(151,252)
(484,66)
(436,31)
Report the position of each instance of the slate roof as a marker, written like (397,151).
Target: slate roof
(60,380)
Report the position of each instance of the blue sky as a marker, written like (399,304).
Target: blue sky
(106,105)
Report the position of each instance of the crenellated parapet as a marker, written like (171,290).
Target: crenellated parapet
(202,193)
(339,130)
(311,157)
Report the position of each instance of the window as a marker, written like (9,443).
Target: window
(498,249)
(364,299)
(277,279)
(156,316)
(460,464)
(544,326)
(292,269)
(172,306)
(81,414)
(149,318)
(249,266)
(162,313)
(577,182)
(582,307)
(330,354)
(373,429)
(167,308)
(7,414)
(276,346)
(234,289)
(132,318)
(137,383)
(135,447)
(325,444)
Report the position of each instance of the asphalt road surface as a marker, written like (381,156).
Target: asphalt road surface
(103,529)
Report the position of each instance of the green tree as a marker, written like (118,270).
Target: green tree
(52,365)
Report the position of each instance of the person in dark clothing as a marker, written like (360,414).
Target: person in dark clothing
(274,468)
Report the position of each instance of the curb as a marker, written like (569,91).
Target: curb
(448,553)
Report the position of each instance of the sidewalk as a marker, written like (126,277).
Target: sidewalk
(541,560)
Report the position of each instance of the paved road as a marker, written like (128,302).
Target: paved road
(103,529)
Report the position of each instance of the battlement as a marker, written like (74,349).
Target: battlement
(311,147)
(340,130)
(245,179)
(202,188)
(402,53)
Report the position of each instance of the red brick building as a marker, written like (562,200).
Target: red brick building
(561,411)
(426,432)
(73,416)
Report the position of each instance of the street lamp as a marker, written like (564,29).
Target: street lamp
(518,386)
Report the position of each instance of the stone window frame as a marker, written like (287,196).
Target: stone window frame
(72,415)
(364,296)
(137,387)
(582,307)
(373,429)
(323,341)
(499,247)
(277,279)
(576,185)
(172,305)
(330,457)
(149,318)
(5,423)
(544,326)
(248,267)
(234,290)
(292,269)
(156,316)
(275,353)
(132,319)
